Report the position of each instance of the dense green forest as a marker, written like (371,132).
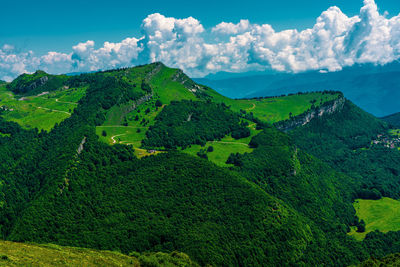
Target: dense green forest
(183,123)
(288,202)
(343,140)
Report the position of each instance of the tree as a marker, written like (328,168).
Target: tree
(147,111)
(210,149)
(158,103)
(104,133)
(361,227)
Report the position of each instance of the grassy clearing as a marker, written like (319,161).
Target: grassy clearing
(23,254)
(394,132)
(382,215)
(137,123)
(225,147)
(275,109)
(41,112)
(122,134)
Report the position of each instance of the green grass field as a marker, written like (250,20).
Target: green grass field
(395,132)
(382,215)
(41,111)
(135,131)
(169,90)
(24,254)
(225,147)
(275,109)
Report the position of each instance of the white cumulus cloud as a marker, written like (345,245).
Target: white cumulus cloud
(335,41)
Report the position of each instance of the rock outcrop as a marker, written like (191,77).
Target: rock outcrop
(328,107)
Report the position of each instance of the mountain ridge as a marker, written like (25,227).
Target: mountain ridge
(373,88)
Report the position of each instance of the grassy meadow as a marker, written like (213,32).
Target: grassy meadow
(382,215)
(25,254)
(29,254)
(224,147)
(275,109)
(40,111)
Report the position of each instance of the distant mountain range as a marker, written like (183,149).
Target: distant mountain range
(393,119)
(376,89)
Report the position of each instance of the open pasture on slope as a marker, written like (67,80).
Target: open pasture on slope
(41,111)
(276,109)
(223,148)
(382,215)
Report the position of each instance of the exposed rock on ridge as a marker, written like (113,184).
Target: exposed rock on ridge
(328,107)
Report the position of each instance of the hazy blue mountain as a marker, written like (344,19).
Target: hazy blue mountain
(393,119)
(376,89)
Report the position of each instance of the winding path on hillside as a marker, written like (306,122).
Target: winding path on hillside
(253,107)
(112,137)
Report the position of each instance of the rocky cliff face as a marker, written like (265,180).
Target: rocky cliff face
(37,83)
(329,107)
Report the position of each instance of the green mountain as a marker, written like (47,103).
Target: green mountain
(147,160)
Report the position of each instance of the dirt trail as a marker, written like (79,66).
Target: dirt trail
(112,137)
(253,107)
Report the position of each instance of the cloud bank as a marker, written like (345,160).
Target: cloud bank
(335,41)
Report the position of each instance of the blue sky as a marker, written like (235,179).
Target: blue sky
(199,37)
(45,25)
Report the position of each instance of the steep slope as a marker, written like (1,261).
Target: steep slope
(36,83)
(311,187)
(344,140)
(186,204)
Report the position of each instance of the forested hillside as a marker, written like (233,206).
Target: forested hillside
(344,140)
(127,171)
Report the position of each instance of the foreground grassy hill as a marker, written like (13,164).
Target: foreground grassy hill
(29,254)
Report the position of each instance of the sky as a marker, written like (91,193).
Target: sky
(201,37)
